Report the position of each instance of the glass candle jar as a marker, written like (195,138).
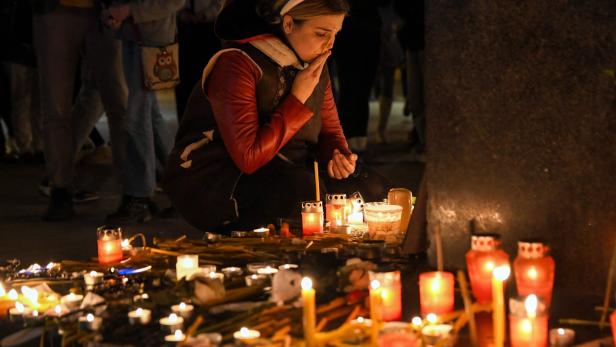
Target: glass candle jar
(335,209)
(109,244)
(312,217)
(403,198)
(528,322)
(186,266)
(384,222)
(484,256)
(436,292)
(390,290)
(534,270)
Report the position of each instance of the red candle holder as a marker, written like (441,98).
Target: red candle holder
(485,255)
(613,320)
(312,217)
(391,298)
(109,244)
(335,209)
(436,292)
(527,327)
(534,270)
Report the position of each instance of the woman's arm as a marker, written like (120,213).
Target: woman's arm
(331,136)
(231,89)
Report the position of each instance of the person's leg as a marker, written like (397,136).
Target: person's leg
(88,108)
(21,100)
(58,39)
(162,139)
(104,55)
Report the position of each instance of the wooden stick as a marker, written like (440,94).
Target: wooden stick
(600,309)
(579,322)
(316,179)
(608,289)
(439,247)
(468,303)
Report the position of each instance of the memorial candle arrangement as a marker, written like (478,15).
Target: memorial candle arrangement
(436,292)
(534,270)
(528,323)
(109,245)
(335,209)
(390,290)
(484,256)
(312,217)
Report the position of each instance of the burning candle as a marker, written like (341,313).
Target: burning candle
(534,270)
(186,266)
(613,321)
(436,292)
(140,316)
(18,312)
(171,323)
(177,336)
(312,217)
(71,301)
(90,322)
(391,309)
(528,323)
(354,210)
(375,310)
(268,271)
(288,267)
(484,256)
(499,276)
(434,333)
(183,309)
(335,209)
(384,222)
(93,278)
(109,245)
(397,334)
(246,336)
(256,280)
(232,271)
(562,337)
(309,312)
(261,232)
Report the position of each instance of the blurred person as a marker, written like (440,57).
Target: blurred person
(150,23)
(65,31)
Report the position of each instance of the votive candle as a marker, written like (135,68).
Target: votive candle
(436,293)
(139,316)
(186,266)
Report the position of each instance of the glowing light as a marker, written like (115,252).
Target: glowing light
(173,318)
(432,318)
(58,309)
(532,273)
(306,283)
(375,284)
(417,321)
(13,295)
(531,304)
(90,317)
(502,272)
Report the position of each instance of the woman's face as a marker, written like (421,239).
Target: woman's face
(312,37)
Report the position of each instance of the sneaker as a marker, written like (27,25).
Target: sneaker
(131,210)
(80,196)
(60,206)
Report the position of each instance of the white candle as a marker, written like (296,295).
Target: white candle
(232,271)
(72,301)
(90,322)
(186,266)
(256,280)
(562,337)
(246,336)
(261,232)
(288,267)
(93,278)
(268,270)
(139,316)
(183,310)
(178,336)
(171,323)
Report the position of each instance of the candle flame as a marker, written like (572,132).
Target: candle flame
(90,317)
(2,291)
(432,318)
(139,312)
(58,309)
(527,326)
(173,318)
(375,284)
(244,332)
(306,283)
(489,266)
(360,320)
(436,284)
(187,263)
(531,304)
(13,295)
(502,272)
(532,273)
(182,306)
(560,331)
(93,273)
(35,313)
(125,244)
(178,334)
(20,307)
(417,321)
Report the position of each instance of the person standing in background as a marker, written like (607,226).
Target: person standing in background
(149,23)
(198,43)
(356,55)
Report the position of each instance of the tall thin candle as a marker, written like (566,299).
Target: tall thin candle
(316,180)
(499,276)
(309,312)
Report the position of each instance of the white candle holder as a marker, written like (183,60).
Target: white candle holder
(177,336)
(182,309)
(93,278)
(246,336)
(90,322)
(432,334)
(140,316)
(261,232)
(186,266)
(561,337)
(171,323)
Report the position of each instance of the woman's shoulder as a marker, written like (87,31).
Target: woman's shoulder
(232,61)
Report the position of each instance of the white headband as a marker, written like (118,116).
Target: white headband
(289,6)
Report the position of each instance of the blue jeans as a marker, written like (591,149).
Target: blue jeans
(148,140)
